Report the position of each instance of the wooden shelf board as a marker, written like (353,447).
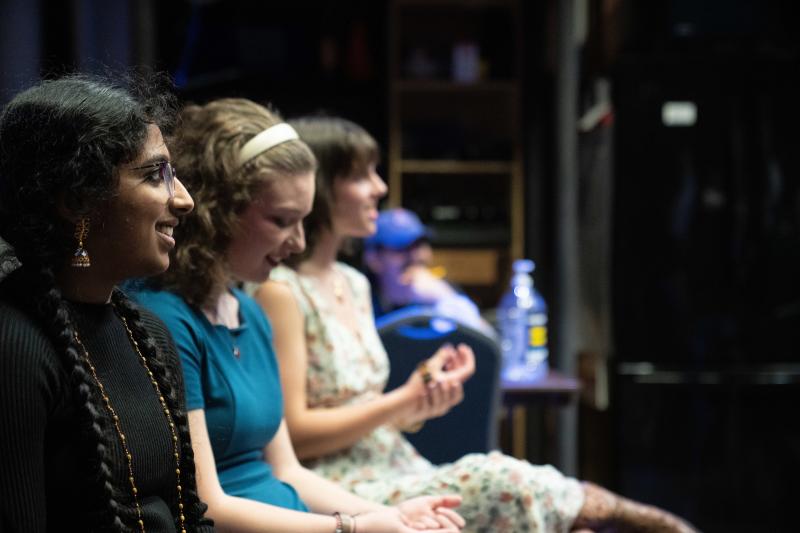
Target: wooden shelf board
(450,166)
(468,266)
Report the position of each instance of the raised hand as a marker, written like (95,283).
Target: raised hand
(459,366)
(436,386)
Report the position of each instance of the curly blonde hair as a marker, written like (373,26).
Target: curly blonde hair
(205,151)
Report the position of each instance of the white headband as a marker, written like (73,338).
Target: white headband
(272,136)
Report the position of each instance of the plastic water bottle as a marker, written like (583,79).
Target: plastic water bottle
(522,315)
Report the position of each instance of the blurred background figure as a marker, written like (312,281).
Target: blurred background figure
(399,263)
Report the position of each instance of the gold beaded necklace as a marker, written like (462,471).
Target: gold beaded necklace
(121,434)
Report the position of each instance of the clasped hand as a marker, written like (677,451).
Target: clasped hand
(429,514)
(439,383)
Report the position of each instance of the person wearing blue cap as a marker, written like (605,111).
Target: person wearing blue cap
(334,369)
(398,258)
(397,228)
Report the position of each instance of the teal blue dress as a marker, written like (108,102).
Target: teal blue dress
(231,374)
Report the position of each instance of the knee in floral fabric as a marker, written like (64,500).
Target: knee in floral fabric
(503,494)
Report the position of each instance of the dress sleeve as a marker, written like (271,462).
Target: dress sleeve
(183,326)
(30,384)
(166,345)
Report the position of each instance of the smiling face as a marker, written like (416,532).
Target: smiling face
(355,202)
(271,227)
(132,235)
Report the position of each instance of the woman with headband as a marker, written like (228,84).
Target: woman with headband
(253,183)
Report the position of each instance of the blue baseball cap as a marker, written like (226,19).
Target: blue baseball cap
(397,229)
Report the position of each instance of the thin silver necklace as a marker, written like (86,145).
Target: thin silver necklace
(236,353)
(213,315)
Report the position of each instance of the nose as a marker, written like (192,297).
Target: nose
(420,255)
(379,186)
(181,202)
(297,241)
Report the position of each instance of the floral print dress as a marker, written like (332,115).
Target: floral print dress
(500,494)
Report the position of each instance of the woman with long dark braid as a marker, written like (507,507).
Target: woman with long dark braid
(93,431)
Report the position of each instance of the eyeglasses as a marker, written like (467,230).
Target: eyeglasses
(167,173)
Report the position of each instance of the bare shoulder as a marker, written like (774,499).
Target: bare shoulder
(274,295)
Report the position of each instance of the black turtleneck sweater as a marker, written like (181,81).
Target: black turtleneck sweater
(43,474)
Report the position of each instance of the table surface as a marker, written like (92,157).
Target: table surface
(555,389)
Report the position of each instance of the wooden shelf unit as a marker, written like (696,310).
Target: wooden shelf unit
(449,133)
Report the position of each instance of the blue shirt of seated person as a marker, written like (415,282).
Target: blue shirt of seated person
(231,374)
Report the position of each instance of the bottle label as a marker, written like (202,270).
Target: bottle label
(536,352)
(537,330)
(537,319)
(538,337)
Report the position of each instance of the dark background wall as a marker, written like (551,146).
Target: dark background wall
(706,254)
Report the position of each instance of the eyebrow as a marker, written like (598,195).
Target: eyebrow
(151,162)
(286,211)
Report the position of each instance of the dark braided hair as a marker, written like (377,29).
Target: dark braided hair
(48,304)
(163,372)
(62,141)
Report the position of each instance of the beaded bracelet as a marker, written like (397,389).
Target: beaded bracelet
(344,523)
(348,524)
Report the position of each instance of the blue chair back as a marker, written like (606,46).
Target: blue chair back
(413,334)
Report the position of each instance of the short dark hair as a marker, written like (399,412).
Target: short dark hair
(342,148)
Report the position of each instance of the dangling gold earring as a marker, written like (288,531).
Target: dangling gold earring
(80,259)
